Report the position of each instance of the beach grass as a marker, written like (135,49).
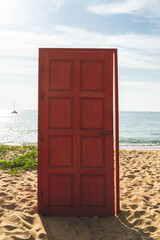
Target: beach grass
(18,158)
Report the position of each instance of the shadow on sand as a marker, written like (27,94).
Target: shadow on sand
(86,228)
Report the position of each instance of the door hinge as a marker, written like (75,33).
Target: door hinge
(41,195)
(41,137)
(41,67)
(42,96)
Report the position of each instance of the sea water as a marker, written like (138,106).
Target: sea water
(139,130)
(20,128)
(136,129)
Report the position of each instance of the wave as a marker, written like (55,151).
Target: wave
(139,141)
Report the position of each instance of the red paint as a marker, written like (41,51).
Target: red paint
(75,133)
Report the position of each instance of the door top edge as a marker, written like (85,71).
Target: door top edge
(79,49)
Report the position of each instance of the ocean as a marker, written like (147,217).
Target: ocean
(137,130)
(18,129)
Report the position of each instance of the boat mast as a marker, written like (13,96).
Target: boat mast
(14,111)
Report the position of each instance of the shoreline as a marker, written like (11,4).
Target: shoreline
(121,146)
(139,147)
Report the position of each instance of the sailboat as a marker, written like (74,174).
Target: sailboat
(14,111)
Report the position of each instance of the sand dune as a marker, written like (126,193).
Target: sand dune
(140,206)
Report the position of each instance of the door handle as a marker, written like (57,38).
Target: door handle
(103,133)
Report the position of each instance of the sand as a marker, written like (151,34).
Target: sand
(140,206)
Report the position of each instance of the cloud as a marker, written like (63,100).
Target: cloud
(17,66)
(138,59)
(146,8)
(19,59)
(141,84)
(129,40)
(26,11)
(57,4)
(21,48)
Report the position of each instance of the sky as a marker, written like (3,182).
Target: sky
(131,26)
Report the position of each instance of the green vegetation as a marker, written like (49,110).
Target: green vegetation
(18,158)
(121,151)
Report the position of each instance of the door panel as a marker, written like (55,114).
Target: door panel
(93,190)
(60,151)
(76,173)
(92,113)
(90,72)
(61,112)
(96,157)
(62,185)
(59,80)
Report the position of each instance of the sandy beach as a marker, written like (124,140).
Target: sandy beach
(140,206)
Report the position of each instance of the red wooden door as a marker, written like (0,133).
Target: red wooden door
(76,166)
